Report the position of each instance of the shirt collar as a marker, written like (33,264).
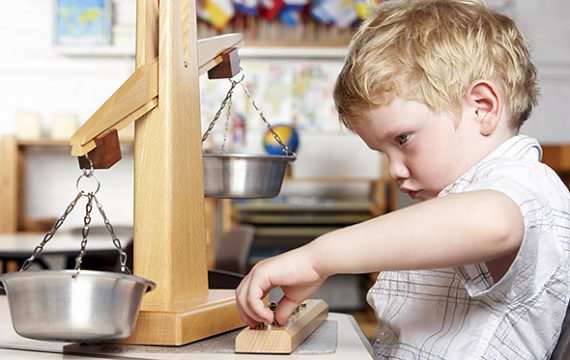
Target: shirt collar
(516,148)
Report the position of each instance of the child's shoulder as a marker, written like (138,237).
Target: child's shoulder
(523,179)
(515,168)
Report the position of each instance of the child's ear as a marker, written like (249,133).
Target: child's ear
(484,101)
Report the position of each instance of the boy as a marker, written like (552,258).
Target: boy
(479,268)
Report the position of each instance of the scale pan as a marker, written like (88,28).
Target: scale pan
(91,307)
(244,176)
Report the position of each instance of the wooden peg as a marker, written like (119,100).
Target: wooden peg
(106,153)
(229,66)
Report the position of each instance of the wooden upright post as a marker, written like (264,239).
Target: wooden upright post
(169,223)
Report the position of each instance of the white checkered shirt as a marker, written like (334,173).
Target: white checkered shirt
(461,313)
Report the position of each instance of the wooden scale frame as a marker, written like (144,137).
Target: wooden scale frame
(169,223)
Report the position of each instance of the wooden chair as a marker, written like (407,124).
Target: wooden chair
(233,249)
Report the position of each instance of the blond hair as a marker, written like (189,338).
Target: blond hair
(431,51)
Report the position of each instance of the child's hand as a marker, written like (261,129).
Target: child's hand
(293,271)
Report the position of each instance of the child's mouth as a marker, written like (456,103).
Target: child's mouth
(411,193)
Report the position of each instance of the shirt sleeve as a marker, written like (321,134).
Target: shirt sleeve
(539,253)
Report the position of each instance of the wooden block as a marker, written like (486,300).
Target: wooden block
(106,153)
(229,66)
(284,339)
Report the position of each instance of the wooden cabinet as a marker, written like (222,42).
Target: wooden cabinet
(9,184)
(558,158)
(13,154)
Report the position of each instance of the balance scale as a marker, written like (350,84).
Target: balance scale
(163,97)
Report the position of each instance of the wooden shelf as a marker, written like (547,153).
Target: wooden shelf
(46,142)
(294,231)
(13,154)
(313,205)
(42,142)
(303,219)
(260,32)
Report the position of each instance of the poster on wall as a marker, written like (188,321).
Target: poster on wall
(82,22)
(294,93)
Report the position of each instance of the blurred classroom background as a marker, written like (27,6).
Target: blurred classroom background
(62,59)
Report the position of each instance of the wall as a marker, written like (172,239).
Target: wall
(545,25)
(38,78)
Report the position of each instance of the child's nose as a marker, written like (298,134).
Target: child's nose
(399,170)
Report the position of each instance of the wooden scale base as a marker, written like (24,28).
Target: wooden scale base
(176,327)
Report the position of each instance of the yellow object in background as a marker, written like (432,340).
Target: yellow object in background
(363,8)
(218,12)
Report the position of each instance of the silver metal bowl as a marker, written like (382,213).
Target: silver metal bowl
(92,307)
(244,176)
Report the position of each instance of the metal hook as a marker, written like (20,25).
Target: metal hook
(91,169)
(87,176)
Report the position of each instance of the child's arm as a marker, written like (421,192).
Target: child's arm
(458,229)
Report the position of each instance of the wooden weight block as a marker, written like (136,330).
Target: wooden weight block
(284,339)
(106,153)
(229,66)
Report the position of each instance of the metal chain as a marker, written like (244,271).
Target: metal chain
(285,148)
(116,241)
(84,232)
(222,106)
(87,173)
(50,233)
(228,101)
(227,127)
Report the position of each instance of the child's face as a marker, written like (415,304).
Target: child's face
(426,151)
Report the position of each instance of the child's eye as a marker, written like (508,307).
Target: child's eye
(402,139)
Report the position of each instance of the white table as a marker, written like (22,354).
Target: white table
(64,242)
(352,344)
(19,246)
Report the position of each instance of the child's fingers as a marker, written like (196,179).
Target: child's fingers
(284,309)
(255,294)
(240,290)
(241,297)
(249,321)
(250,303)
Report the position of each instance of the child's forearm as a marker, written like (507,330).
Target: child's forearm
(458,229)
